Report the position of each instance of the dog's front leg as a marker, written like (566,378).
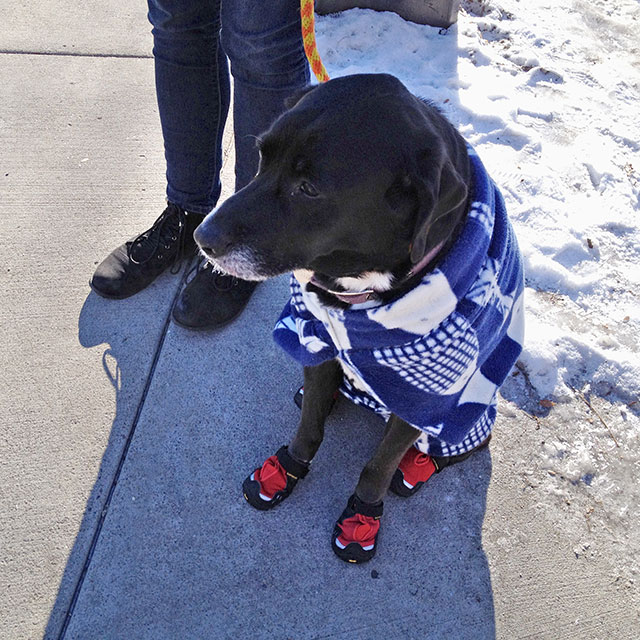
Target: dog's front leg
(355,534)
(270,484)
(377,473)
(320,385)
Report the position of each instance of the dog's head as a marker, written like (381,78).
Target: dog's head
(357,177)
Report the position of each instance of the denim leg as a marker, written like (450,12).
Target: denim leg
(263,41)
(192,86)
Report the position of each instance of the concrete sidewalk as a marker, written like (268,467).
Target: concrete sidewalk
(125,439)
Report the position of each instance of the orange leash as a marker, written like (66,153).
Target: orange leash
(309,40)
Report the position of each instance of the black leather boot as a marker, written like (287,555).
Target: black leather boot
(138,262)
(211,299)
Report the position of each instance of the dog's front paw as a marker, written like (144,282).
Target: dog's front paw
(274,481)
(414,470)
(355,535)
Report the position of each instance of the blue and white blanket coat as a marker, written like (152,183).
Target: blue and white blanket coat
(437,356)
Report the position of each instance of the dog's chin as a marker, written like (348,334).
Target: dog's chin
(378,281)
(241,264)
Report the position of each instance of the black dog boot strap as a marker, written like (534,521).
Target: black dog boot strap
(271,483)
(355,534)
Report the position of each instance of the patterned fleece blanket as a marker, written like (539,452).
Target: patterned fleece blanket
(437,356)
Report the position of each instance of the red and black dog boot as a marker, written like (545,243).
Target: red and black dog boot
(414,470)
(271,483)
(355,535)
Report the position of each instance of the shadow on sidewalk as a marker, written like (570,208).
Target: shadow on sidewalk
(130,345)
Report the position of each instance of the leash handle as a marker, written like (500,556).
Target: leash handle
(309,40)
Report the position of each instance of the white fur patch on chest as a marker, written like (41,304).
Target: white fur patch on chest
(375,280)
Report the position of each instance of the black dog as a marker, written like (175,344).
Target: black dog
(362,190)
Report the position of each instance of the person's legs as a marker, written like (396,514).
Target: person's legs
(192,85)
(268,64)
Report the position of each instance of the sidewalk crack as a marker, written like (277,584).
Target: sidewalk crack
(74,54)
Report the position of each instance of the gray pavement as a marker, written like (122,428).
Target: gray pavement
(125,439)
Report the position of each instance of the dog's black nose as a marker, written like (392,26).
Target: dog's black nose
(211,242)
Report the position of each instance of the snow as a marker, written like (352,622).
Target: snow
(548,93)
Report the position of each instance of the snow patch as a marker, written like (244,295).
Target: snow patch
(548,95)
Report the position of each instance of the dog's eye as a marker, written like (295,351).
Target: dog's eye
(307,189)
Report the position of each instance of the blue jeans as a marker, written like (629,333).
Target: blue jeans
(193,40)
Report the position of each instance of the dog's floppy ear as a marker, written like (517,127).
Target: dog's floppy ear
(440,190)
(294,98)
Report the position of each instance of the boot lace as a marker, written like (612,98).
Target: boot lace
(168,233)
